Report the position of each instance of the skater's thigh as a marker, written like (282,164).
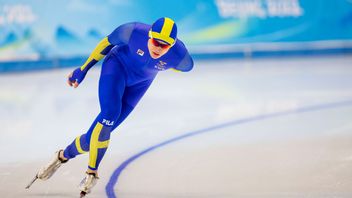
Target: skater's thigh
(125,111)
(111,87)
(133,94)
(131,97)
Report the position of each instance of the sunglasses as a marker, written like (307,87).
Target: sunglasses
(159,44)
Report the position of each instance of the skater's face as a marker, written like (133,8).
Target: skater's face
(157,48)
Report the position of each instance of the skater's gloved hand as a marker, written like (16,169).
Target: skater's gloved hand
(76,77)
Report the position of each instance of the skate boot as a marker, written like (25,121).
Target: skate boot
(88,183)
(47,171)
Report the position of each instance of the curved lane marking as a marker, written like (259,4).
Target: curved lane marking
(109,189)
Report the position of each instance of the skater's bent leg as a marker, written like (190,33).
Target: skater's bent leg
(99,143)
(99,140)
(77,147)
(130,99)
(111,90)
(101,134)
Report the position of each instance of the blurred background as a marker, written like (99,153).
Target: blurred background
(38,34)
(266,111)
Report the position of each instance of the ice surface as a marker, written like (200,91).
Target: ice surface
(301,154)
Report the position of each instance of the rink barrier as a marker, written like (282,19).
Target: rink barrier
(30,65)
(273,49)
(206,52)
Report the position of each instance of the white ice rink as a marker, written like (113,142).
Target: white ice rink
(234,128)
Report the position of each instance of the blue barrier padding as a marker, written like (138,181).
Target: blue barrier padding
(23,66)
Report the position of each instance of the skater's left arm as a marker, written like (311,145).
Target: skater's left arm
(78,75)
(185,64)
(120,36)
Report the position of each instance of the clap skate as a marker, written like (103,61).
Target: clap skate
(48,170)
(87,183)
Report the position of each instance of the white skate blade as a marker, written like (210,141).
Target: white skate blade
(87,184)
(82,194)
(32,181)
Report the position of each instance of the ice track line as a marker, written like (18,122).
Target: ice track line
(113,181)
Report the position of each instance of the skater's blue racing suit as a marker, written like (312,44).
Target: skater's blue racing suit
(127,72)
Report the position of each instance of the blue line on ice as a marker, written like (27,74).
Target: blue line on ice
(109,189)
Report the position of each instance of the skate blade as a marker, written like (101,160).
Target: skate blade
(83,194)
(32,181)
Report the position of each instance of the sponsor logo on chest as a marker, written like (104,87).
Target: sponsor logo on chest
(160,65)
(140,52)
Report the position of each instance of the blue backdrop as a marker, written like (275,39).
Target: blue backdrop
(63,32)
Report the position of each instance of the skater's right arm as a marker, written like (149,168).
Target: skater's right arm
(120,36)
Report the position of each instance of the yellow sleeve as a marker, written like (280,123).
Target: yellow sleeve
(98,53)
(175,70)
